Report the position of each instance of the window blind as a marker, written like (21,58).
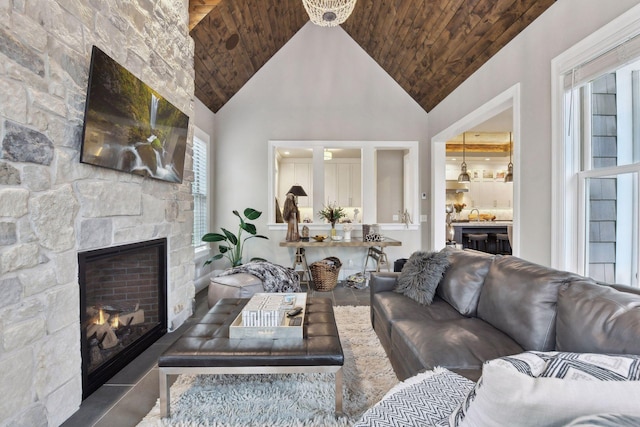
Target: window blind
(199,191)
(609,61)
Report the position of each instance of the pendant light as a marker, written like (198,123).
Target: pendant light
(464,176)
(509,176)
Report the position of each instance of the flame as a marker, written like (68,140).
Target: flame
(115,322)
(101,319)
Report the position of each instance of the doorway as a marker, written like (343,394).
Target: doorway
(496,109)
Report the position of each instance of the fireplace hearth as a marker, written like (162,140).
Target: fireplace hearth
(122,307)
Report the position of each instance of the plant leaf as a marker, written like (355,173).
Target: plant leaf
(213,258)
(249,228)
(213,237)
(252,213)
(230,236)
(223,250)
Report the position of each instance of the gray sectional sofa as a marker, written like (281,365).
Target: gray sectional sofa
(490,306)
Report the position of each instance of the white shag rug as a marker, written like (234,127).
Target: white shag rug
(287,399)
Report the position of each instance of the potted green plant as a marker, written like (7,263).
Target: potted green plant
(233,245)
(332,213)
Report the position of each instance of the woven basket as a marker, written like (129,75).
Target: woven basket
(325,273)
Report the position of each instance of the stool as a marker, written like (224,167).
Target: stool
(478,241)
(502,244)
(240,285)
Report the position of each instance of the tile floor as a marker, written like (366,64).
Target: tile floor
(127,397)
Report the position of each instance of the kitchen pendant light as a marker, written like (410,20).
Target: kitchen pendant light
(509,176)
(328,13)
(464,176)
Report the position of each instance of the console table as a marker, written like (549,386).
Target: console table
(375,250)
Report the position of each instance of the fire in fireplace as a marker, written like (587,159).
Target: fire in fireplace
(122,306)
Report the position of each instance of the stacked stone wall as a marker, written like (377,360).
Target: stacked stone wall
(52,206)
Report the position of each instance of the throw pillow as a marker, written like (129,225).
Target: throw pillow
(421,274)
(551,388)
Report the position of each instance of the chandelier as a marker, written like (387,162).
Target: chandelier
(329,13)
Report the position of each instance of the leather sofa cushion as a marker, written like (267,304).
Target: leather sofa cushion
(392,306)
(462,281)
(463,344)
(597,319)
(519,298)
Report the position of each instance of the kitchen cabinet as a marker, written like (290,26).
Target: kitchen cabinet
(490,194)
(343,183)
(291,173)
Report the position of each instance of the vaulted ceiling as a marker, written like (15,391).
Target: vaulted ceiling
(428,46)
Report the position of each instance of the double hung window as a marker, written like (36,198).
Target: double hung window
(199,191)
(601,141)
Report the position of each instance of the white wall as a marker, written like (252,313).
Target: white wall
(527,59)
(320,86)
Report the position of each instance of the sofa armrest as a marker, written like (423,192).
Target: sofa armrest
(383,282)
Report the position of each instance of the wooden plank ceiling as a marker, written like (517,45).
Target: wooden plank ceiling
(428,46)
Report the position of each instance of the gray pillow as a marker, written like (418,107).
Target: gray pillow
(421,274)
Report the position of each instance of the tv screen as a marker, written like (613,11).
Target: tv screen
(128,126)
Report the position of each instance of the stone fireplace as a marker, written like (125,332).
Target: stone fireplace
(122,306)
(52,207)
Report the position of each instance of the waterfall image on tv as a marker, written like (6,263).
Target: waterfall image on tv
(128,126)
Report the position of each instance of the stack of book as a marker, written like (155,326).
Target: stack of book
(267,310)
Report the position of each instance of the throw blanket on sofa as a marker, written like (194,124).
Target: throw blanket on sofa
(426,399)
(275,278)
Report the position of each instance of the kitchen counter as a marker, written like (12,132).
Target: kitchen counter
(489,227)
(481,223)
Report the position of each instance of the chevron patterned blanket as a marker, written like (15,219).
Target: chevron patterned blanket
(424,400)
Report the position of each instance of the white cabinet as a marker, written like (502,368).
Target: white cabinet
(330,182)
(349,185)
(342,183)
(490,194)
(296,173)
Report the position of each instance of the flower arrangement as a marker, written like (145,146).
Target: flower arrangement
(332,213)
(459,206)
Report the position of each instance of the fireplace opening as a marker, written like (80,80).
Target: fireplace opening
(122,307)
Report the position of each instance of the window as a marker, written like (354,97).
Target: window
(600,166)
(199,191)
(374,181)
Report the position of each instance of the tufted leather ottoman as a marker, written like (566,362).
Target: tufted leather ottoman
(206,348)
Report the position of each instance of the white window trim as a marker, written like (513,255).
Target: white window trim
(565,204)
(369,148)
(204,137)
(510,98)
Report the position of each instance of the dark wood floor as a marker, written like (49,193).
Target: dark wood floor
(127,397)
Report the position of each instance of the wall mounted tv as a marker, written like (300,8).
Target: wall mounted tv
(128,126)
